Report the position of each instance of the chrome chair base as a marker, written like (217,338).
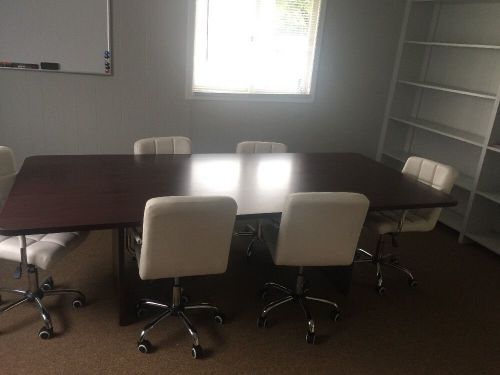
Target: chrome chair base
(300,296)
(35,294)
(254,234)
(178,308)
(379,259)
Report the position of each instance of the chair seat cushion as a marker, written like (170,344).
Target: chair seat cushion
(387,222)
(42,249)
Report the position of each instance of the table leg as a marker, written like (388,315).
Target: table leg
(125,302)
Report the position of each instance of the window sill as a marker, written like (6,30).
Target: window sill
(280,98)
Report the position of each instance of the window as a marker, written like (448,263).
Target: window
(254,47)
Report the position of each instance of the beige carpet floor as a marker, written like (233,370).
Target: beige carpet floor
(449,324)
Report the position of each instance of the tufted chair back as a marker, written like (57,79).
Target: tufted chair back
(162,145)
(320,229)
(186,236)
(256,147)
(439,176)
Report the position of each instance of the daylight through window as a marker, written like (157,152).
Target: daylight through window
(255,46)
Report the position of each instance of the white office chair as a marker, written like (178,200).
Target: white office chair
(33,252)
(183,236)
(256,147)
(439,176)
(317,229)
(162,145)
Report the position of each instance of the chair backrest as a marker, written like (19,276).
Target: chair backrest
(256,147)
(186,236)
(162,145)
(7,173)
(440,176)
(320,229)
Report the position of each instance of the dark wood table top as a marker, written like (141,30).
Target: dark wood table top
(67,193)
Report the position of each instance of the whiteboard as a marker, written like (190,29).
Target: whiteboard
(72,33)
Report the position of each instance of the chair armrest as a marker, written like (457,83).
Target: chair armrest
(136,235)
(401,221)
(134,240)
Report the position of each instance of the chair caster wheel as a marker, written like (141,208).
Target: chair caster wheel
(140,312)
(46,333)
(79,302)
(310,338)
(412,283)
(380,290)
(263,293)
(47,285)
(144,347)
(219,318)
(335,315)
(250,249)
(185,299)
(197,351)
(262,322)
(394,260)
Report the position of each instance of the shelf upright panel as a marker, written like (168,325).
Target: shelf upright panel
(394,80)
(482,156)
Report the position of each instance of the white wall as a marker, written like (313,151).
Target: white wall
(53,113)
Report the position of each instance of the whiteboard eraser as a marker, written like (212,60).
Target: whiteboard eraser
(50,66)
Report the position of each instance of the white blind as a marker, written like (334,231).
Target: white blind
(255,46)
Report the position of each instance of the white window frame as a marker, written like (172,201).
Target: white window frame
(286,98)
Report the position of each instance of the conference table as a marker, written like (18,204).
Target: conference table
(94,192)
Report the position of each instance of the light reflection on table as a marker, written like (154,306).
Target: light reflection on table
(274,174)
(214,177)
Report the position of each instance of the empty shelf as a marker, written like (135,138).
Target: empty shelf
(492,196)
(453,45)
(455,1)
(450,89)
(397,155)
(465,182)
(444,130)
(452,219)
(490,240)
(495,148)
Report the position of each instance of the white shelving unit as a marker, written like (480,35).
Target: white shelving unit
(444,105)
